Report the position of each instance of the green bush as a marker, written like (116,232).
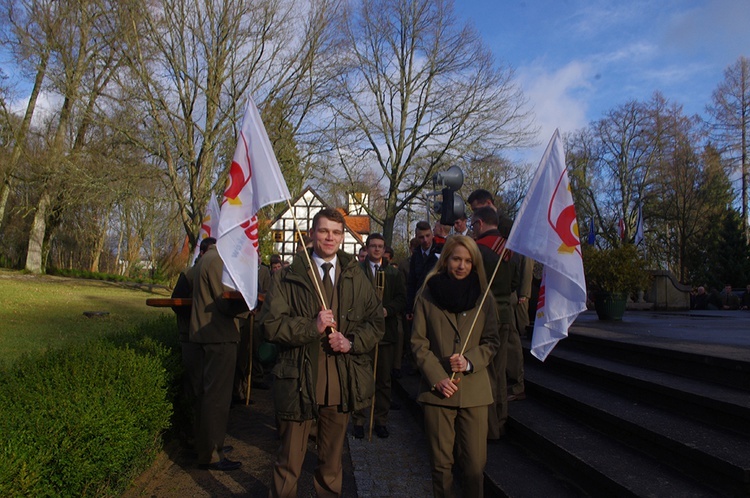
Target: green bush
(107,277)
(619,270)
(84,420)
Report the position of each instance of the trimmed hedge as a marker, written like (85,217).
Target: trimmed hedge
(87,419)
(108,277)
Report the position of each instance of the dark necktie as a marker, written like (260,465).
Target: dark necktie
(375,273)
(327,282)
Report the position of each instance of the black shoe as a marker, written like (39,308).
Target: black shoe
(193,455)
(395,405)
(223,465)
(359,432)
(259,384)
(381,431)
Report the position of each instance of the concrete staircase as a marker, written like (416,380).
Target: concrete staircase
(607,418)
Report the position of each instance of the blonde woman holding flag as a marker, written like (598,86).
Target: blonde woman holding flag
(454,338)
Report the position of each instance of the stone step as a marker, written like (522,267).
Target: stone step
(720,364)
(718,404)
(595,462)
(703,451)
(516,473)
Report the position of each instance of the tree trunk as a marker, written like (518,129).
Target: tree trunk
(20,141)
(120,271)
(4,193)
(96,255)
(35,252)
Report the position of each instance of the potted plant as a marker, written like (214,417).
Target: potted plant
(612,275)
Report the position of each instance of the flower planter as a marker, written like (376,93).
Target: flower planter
(610,305)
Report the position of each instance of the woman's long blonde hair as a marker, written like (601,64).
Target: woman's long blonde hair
(477,265)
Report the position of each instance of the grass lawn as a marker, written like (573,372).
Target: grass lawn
(42,311)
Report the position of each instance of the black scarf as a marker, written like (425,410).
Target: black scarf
(455,296)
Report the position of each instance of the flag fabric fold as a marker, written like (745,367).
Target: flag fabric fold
(546,230)
(254,181)
(639,225)
(209,225)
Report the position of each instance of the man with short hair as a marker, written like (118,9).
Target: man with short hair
(423,258)
(459,226)
(440,232)
(729,301)
(191,352)
(213,327)
(388,283)
(481,198)
(491,243)
(362,254)
(274,263)
(325,316)
(389,255)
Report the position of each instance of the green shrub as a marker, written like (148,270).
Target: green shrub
(107,277)
(84,420)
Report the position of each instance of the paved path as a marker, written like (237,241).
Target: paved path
(394,467)
(398,466)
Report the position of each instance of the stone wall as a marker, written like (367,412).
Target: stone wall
(667,293)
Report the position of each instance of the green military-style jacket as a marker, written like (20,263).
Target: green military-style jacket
(289,321)
(394,297)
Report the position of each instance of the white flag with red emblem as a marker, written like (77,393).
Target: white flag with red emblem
(546,230)
(209,225)
(255,180)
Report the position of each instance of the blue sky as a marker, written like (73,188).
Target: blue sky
(577,59)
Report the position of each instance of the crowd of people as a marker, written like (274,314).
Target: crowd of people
(344,326)
(726,299)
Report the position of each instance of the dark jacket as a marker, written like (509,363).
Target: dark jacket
(212,319)
(507,278)
(184,289)
(419,266)
(394,297)
(290,311)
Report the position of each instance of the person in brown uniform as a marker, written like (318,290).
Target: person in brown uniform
(323,370)
(213,328)
(455,389)
(491,243)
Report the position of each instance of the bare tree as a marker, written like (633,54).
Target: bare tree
(194,62)
(730,121)
(612,167)
(506,180)
(417,92)
(23,37)
(67,46)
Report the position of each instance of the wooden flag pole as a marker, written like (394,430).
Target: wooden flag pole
(379,289)
(250,363)
(316,277)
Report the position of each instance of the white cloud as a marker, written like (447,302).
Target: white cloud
(716,27)
(46,105)
(559,99)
